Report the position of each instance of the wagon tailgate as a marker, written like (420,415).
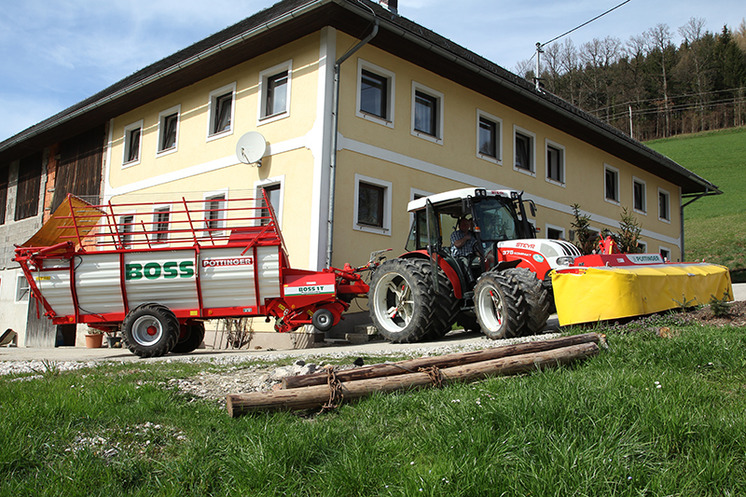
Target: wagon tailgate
(60,227)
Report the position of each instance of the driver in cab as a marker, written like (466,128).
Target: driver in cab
(462,239)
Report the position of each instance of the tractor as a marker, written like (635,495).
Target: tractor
(501,286)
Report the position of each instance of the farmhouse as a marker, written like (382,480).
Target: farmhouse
(362,111)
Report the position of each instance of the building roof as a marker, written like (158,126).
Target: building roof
(289,20)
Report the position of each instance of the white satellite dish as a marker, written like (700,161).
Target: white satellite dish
(251,147)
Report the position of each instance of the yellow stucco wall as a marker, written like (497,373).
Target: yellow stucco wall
(453,162)
(201,164)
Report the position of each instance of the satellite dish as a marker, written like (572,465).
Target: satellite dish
(251,147)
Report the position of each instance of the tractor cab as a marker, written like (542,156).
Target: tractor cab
(495,216)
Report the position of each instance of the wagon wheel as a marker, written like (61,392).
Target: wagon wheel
(190,338)
(150,330)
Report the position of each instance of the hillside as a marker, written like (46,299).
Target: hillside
(715,227)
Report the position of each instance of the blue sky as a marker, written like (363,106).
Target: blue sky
(55,54)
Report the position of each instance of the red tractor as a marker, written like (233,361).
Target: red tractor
(491,272)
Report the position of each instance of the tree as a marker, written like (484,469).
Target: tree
(628,237)
(659,38)
(585,237)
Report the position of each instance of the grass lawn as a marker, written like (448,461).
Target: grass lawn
(715,227)
(649,416)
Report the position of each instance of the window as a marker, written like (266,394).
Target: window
(664,211)
(274,92)
(161,216)
(524,151)
(642,246)
(168,129)
(125,228)
(214,214)
(372,211)
(611,184)
(427,113)
(665,253)
(22,289)
(489,137)
(639,202)
(555,233)
(375,93)
(555,163)
(221,111)
(29,184)
(132,135)
(274,196)
(4,176)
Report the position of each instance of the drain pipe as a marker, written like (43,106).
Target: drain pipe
(335,132)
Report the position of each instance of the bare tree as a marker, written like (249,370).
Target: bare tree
(692,33)
(659,38)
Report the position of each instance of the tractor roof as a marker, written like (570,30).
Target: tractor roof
(463,193)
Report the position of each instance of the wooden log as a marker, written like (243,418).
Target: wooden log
(314,397)
(443,361)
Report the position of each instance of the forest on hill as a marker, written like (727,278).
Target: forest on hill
(649,86)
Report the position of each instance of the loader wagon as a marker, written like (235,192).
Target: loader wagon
(157,271)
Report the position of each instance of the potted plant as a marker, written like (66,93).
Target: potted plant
(94,338)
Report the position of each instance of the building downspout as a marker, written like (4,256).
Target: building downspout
(335,132)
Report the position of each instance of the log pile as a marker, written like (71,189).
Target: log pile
(327,389)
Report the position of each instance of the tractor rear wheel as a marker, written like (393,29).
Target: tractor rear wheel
(500,305)
(402,301)
(150,330)
(190,338)
(537,300)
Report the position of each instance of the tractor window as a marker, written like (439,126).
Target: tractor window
(418,234)
(496,219)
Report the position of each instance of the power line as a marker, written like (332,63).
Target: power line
(585,23)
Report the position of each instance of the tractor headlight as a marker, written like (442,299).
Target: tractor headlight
(565,261)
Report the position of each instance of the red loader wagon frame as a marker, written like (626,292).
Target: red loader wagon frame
(157,271)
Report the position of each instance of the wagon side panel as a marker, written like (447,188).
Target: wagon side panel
(97,283)
(165,277)
(54,284)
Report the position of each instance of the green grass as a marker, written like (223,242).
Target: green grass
(650,416)
(714,226)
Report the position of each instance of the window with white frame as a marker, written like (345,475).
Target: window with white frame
(221,111)
(427,113)
(161,222)
(639,196)
(125,228)
(555,163)
(168,130)
(611,184)
(665,253)
(642,247)
(214,214)
(524,150)
(664,205)
(489,137)
(132,135)
(372,210)
(22,289)
(555,232)
(273,193)
(274,92)
(375,94)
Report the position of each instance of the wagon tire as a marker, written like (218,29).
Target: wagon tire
(150,330)
(190,338)
(403,305)
(323,319)
(500,305)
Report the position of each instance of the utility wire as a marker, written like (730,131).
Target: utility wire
(585,23)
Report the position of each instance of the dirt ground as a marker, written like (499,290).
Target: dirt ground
(734,313)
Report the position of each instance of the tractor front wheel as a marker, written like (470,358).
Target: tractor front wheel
(500,305)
